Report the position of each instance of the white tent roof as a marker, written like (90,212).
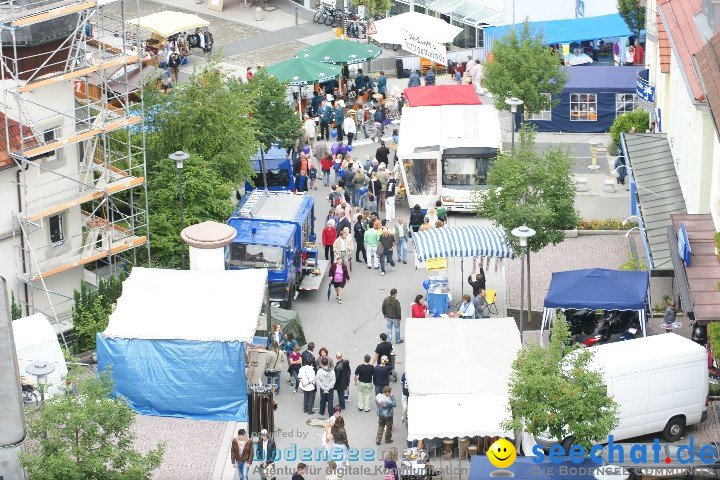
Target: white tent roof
(392,29)
(189,305)
(167,23)
(36,341)
(458,371)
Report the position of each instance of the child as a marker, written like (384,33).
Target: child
(301,184)
(371,203)
(331,216)
(312,174)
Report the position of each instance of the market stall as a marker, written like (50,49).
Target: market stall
(472,390)
(597,289)
(437,95)
(177,335)
(300,72)
(392,30)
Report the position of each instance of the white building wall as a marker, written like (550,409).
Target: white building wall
(715,184)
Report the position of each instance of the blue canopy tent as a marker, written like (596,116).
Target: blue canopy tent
(591,100)
(566,31)
(597,289)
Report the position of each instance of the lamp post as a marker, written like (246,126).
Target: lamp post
(514,102)
(179,158)
(41,370)
(523,233)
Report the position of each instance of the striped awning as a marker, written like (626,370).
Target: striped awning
(470,241)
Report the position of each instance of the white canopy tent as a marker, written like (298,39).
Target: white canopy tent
(392,29)
(189,305)
(460,389)
(36,341)
(167,23)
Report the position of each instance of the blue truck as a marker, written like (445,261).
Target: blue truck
(276,230)
(279,171)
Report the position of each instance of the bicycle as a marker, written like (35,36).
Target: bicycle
(30,398)
(322,13)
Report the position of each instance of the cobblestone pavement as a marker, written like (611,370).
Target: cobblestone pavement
(277,53)
(191,446)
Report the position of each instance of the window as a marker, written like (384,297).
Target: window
(257,256)
(57,236)
(625,102)
(48,137)
(468,171)
(275,178)
(421,176)
(583,107)
(543,114)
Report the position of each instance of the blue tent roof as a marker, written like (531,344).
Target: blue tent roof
(267,232)
(607,77)
(598,288)
(573,29)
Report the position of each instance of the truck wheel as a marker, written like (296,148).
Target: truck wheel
(287,304)
(567,443)
(674,429)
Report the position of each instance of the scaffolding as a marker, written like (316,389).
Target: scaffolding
(72,76)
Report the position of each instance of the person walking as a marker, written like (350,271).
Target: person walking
(341,446)
(386,404)
(402,235)
(266,452)
(375,187)
(241,454)
(392,312)
(359,234)
(416,218)
(301,469)
(390,190)
(329,235)
(295,365)
(360,180)
(309,131)
(339,119)
(385,248)
(382,84)
(382,154)
(349,128)
(326,164)
(382,176)
(364,383)
(479,283)
(339,276)
(275,362)
(372,240)
(383,349)
(381,374)
(414,80)
(307,385)
(343,245)
(326,113)
(419,307)
(325,382)
(429,77)
(342,379)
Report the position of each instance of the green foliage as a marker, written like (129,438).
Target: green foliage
(713,332)
(275,120)
(526,187)
(525,67)
(606,224)
(640,119)
(555,389)
(376,7)
(633,264)
(84,433)
(92,309)
(633,14)
(15,310)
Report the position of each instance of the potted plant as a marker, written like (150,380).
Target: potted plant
(717,245)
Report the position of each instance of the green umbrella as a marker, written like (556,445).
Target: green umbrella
(299,71)
(340,51)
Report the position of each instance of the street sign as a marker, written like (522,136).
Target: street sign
(372,30)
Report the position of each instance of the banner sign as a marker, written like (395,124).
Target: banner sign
(436,52)
(644,90)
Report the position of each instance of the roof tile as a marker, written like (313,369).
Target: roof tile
(685,37)
(664,43)
(708,66)
(16,140)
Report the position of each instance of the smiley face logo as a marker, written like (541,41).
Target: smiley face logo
(501,453)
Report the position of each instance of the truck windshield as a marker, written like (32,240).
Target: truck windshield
(256,256)
(275,178)
(465,171)
(421,175)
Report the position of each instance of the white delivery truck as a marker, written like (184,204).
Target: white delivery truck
(445,152)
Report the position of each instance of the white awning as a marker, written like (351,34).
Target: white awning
(189,305)
(167,23)
(392,29)
(469,12)
(469,241)
(460,389)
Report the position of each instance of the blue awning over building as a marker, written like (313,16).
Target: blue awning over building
(468,241)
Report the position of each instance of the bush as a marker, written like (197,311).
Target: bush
(92,309)
(713,332)
(609,224)
(640,119)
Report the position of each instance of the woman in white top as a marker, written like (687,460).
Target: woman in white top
(630,55)
(432,215)
(349,128)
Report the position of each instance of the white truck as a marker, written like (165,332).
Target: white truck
(445,153)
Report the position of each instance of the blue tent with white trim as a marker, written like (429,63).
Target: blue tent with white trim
(469,241)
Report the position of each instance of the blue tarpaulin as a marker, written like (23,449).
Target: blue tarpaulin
(178,378)
(524,468)
(570,30)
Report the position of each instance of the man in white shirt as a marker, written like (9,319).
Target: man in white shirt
(310,131)
(470,68)
(349,127)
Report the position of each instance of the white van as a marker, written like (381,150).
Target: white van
(659,382)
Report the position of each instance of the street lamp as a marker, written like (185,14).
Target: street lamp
(41,370)
(514,102)
(523,233)
(179,158)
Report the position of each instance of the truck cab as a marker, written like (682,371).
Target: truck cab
(275,230)
(279,171)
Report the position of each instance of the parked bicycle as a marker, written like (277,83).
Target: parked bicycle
(29,395)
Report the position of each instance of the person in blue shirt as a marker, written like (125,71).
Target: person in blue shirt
(339,119)
(325,114)
(382,84)
(360,80)
(315,104)
(430,77)
(414,80)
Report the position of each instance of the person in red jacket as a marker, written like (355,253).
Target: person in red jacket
(326,163)
(419,308)
(329,234)
(639,57)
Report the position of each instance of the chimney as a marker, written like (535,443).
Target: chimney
(207,242)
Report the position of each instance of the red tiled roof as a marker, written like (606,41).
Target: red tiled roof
(13,127)
(708,68)
(664,47)
(679,20)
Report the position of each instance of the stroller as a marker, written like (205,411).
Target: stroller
(393,372)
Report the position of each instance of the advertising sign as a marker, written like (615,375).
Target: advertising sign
(416,45)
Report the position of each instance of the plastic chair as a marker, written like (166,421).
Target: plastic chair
(490,295)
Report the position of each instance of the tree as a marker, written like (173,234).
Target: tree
(633,14)
(15,310)
(84,433)
(376,7)
(555,389)
(524,67)
(275,120)
(640,119)
(526,187)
